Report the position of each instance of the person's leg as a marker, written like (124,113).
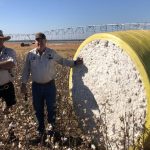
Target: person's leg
(50,97)
(9,94)
(38,104)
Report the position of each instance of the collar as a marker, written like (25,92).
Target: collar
(38,52)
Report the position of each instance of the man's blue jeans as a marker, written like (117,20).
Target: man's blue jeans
(42,93)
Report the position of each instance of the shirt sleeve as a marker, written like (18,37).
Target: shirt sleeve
(26,70)
(63,61)
(11,56)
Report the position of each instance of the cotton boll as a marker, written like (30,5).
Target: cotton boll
(113,89)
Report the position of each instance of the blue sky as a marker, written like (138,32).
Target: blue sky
(30,16)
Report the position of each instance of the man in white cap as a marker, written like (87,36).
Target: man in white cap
(7,62)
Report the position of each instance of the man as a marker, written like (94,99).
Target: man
(7,62)
(41,63)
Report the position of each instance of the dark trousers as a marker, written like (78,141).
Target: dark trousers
(42,93)
(7,93)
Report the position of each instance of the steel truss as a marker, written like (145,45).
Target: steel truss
(81,32)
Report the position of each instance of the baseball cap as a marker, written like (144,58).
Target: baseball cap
(40,35)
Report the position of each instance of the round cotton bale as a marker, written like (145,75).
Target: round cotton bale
(111,90)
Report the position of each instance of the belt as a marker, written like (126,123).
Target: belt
(5,86)
(47,83)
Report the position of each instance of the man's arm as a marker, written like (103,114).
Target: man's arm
(67,62)
(6,64)
(25,75)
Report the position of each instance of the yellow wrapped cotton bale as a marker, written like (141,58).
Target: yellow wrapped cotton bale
(111,90)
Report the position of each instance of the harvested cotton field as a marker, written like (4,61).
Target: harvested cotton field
(18,127)
(109,92)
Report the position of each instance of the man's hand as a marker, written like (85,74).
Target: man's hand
(79,61)
(23,88)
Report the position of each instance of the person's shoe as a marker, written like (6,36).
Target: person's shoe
(68,141)
(55,134)
(50,133)
(11,137)
(39,138)
(7,110)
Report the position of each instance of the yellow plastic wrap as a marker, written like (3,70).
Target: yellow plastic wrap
(137,44)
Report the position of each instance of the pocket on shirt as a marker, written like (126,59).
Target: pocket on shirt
(33,62)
